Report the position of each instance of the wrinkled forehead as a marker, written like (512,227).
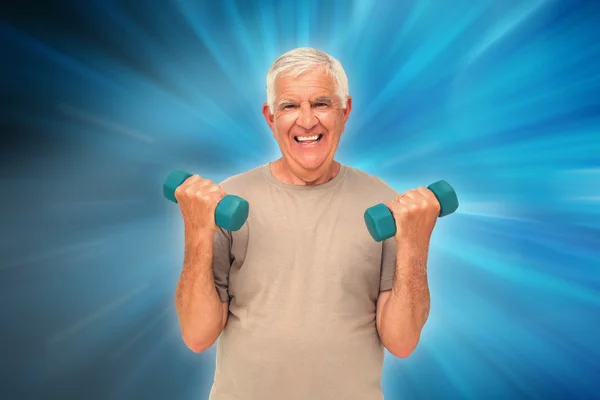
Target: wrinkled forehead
(314,80)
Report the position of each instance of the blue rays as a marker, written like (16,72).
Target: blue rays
(103,99)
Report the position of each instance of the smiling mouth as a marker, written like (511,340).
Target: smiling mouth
(308,139)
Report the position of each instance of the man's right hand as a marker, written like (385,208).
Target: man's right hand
(198,198)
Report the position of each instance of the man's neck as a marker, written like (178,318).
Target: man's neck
(284,173)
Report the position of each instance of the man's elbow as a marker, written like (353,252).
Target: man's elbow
(402,349)
(197,344)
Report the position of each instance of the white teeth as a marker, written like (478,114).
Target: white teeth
(307,138)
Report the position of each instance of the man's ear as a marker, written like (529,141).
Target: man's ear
(347,112)
(348,108)
(270,118)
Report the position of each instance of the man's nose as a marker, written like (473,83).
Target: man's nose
(307,118)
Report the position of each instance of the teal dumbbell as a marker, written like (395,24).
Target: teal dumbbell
(380,221)
(231,212)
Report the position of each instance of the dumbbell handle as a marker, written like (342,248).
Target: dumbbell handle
(231,213)
(380,221)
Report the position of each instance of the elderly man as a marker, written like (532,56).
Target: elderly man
(302,299)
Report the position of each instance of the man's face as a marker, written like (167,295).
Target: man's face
(308,121)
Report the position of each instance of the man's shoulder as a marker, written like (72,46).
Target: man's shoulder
(242,181)
(368,181)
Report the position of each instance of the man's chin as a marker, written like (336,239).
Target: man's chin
(311,160)
(312,169)
(310,166)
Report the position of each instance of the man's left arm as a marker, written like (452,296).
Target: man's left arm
(403,310)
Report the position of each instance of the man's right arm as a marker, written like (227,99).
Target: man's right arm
(202,314)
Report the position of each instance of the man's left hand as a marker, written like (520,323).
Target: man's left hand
(415,212)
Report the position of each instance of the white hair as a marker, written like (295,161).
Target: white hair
(298,61)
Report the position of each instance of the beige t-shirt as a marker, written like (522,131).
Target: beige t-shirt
(302,277)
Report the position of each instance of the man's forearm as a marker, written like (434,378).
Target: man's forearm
(407,308)
(197,302)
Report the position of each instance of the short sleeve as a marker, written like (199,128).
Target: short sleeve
(388,264)
(222,262)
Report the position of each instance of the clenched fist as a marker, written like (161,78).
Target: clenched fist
(198,198)
(415,212)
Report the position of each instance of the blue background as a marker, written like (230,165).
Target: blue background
(101,99)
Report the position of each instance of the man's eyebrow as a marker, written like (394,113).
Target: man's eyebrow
(320,99)
(285,102)
(324,99)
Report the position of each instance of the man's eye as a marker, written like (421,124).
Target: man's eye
(321,105)
(288,107)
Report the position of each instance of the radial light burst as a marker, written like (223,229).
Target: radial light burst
(101,99)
